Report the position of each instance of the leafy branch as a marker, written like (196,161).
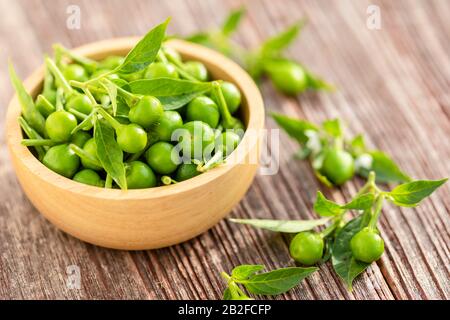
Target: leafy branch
(335,159)
(268,59)
(352,243)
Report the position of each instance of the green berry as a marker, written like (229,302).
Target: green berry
(367,245)
(307,248)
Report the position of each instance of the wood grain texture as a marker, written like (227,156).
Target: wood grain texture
(393,86)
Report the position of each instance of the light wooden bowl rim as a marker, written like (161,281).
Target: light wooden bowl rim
(249,90)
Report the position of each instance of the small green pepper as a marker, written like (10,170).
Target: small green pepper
(367,245)
(197,70)
(307,248)
(80,138)
(159,157)
(90,148)
(196,138)
(338,166)
(186,171)
(59,125)
(287,76)
(80,103)
(203,109)
(89,177)
(62,160)
(147,112)
(227,141)
(139,175)
(168,123)
(130,137)
(161,70)
(75,72)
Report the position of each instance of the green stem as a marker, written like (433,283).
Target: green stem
(43,102)
(377,211)
(59,76)
(38,142)
(90,96)
(179,66)
(130,98)
(108,181)
(234,288)
(87,63)
(80,115)
(84,155)
(369,186)
(113,122)
(166,180)
(86,123)
(328,230)
(48,80)
(104,75)
(59,99)
(214,161)
(228,120)
(32,134)
(161,56)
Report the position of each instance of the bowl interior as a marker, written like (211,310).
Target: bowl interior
(220,67)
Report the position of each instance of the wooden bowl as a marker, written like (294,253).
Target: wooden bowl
(146,218)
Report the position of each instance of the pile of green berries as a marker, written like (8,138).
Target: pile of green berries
(113,122)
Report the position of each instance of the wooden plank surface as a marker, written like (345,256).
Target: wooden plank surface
(393,86)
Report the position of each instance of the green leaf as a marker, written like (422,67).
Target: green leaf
(245,271)
(294,127)
(111,88)
(333,128)
(176,102)
(277,281)
(145,51)
(32,134)
(173,93)
(109,153)
(362,202)
(328,208)
(385,169)
(168,87)
(317,83)
(323,179)
(325,207)
(29,111)
(286,226)
(274,45)
(227,294)
(200,38)
(358,145)
(342,258)
(232,21)
(410,194)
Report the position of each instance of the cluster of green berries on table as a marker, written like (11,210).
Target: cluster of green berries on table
(351,242)
(335,159)
(268,59)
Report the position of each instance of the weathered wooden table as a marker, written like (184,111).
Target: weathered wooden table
(393,85)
